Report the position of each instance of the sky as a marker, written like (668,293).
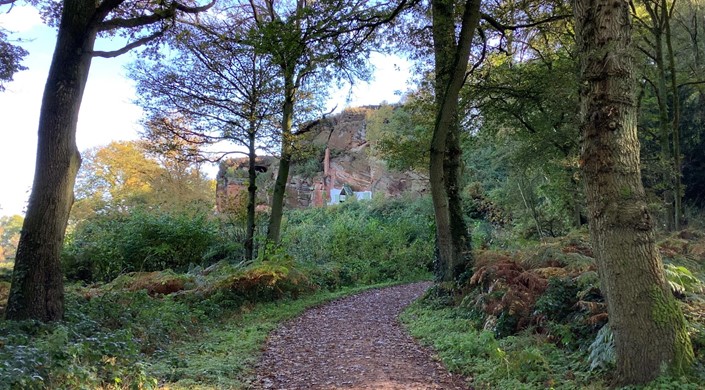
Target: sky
(107,111)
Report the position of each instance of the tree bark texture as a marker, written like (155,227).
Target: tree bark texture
(460,237)
(251,193)
(451,58)
(275,218)
(37,285)
(675,124)
(648,326)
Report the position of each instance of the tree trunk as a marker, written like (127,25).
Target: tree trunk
(675,124)
(575,201)
(251,193)
(37,283)
(460,236)
(275,218)
(665,157)
(649,328)
(451,64)
(660,29)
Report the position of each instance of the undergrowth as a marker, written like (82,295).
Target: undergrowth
(536,318)
(132,340)
(522,361)
(151,327)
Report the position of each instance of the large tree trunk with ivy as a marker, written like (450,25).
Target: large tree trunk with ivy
(460,236)
(37,284)
(251,192)
(275,218)
(648,326)
(451,58)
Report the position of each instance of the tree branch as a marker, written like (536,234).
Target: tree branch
(144,20)
(691,83)
(483,54)
(129,46)
(504,27)
(194,10)
(139,21)
(104,9)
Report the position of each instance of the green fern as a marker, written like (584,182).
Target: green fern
(602,353)
(681,280)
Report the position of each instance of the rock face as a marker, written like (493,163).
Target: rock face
(338,157)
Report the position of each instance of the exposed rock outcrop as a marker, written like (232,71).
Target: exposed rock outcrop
(339,154)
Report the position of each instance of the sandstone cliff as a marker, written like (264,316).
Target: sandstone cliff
(337,154)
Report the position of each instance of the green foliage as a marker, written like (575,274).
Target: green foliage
(558,301)
(362,242)
(523,153)
(665,382)
(202,328)
(602,354)
(77,354)
(308,161)
(10,228)
(401,135)
(102,247)
(276,277)
(10,58)
(523,361)
(366,242)
(681,280)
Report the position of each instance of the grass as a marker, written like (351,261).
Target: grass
(113,338)
(516,362)
(534,318)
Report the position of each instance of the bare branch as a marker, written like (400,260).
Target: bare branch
(194,10)
(479,62)
(129,46)
(691,83)
(8,2)
(104,9)
(139,21)
(646,52)
(499,26)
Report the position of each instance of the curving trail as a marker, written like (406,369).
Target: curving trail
(352,343)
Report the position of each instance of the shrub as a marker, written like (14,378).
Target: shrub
(275,276)
(558,301)
(602,354)
(74,355)
(107,245)
(362,242)
(522,361)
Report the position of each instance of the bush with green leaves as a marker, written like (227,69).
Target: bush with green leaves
(363,242)
(105,340)
(522,361)
(77,354)
(107,245)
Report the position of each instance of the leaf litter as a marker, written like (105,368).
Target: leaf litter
(353,343)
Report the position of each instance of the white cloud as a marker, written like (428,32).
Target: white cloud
(390,78)
(20,18)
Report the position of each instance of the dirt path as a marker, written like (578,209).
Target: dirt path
(352,343)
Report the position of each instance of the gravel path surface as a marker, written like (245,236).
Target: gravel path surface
(352,343)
